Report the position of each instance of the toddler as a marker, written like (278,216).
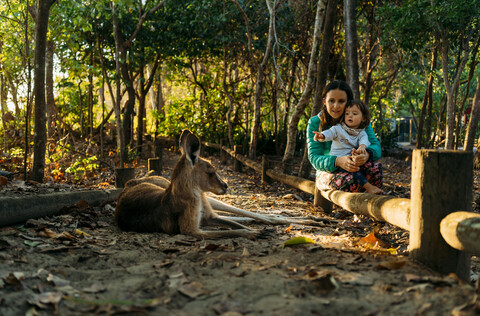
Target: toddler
(349,138)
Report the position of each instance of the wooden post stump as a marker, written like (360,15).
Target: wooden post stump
(265,167)
(122,175)
(223,155)
(237,164)
(155,165)
(321,201)
(442,183)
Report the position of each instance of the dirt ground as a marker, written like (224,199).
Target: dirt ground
(80,263)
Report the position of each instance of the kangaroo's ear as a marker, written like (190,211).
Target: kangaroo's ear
(183,140)
(190,145)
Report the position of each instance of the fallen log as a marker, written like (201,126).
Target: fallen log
(14,210)
(296,182)
(461,230)
(383,208)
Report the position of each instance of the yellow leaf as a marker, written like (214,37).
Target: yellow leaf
(392,251)
(81,233)
(298,241)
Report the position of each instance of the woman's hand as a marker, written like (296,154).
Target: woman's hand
(360,157)
(347,163)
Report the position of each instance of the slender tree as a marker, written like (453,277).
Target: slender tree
(122,48)
(40,138)
(261,67)
(351,44)
(473,122)
(307,92)
(323,61)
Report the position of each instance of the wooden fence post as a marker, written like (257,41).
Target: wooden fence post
(122,175)
(319,200)
(442,183)
(223,155)
(155,164)
(265,167)
(237,164)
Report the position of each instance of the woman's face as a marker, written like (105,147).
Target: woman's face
(335,101)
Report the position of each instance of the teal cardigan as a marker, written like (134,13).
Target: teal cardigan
(319,152)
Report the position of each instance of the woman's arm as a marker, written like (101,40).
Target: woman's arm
(318,151)
(375,145)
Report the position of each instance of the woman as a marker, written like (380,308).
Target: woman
(329,176)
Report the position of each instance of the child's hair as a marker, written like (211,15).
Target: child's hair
(363,108)
(325,119)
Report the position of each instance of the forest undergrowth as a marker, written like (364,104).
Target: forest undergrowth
(79,262)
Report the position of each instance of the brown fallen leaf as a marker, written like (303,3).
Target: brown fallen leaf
(94,288)
(51,234)
(371,240)
(392,265)
(57,281)
(323,280)
(43,299)
(15,279)
(192,290)
(3,181)
(213,247)
(5,243)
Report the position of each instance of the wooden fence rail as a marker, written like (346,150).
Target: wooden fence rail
(443,233)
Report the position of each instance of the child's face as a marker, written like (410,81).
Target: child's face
(353,116)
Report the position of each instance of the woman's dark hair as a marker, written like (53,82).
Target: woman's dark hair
(363,108)
(325,119)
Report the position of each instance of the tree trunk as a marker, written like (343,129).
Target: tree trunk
(327,42)
(14,95)
(274,103)
(90,95)
(473,122)
(118,120)
(252,153)
(372,52)
(129,107)
(51,108)
(28,106)
(451,89)
(230,100)
(428,119)
(351,44)
(141,115)
(80,105)
(144,87)
(288,100)
(3,99)
(3,106)
(40,138)
(461,110)
(121,48)
(307,92)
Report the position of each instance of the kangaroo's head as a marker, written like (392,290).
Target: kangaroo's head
(200,172)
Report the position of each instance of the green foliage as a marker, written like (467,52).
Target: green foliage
(82,166)
(193,40)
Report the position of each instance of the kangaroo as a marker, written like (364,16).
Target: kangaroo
(146,207)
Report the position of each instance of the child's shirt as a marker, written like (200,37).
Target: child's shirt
(343,142)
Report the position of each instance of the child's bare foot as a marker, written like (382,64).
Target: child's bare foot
(370,188)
